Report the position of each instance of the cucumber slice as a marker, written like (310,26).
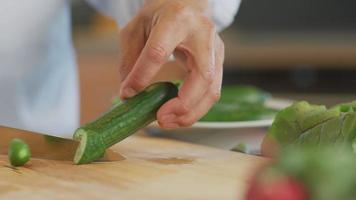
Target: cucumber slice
(19,153)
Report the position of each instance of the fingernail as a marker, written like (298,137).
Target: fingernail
(168,118)
(170,126)
(129,92)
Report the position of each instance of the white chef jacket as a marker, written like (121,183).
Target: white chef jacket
(38,74)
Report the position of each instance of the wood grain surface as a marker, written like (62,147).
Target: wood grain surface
(153,168)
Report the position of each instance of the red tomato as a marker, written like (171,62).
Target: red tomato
(286,188)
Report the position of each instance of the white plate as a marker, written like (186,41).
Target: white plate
(224,135)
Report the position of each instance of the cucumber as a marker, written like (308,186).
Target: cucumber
(19,152)
(121,121)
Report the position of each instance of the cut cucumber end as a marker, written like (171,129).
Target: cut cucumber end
(19,152)
(81,136)
(88,150)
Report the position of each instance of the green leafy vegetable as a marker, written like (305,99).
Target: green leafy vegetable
(307,124)
(241,94)
(346,107)
(317,148)
(326,173)
(240,103)
(238,112)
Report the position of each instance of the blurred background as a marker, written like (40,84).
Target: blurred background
(303,49)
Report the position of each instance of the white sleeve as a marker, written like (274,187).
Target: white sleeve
(120,10)
(222,11)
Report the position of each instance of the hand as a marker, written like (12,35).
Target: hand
(182,28)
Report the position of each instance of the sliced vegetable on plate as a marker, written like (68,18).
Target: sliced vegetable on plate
(244,94)
(240,103)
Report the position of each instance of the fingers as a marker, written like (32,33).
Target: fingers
(202,107)
(176,114)
(131,44)
(155,53)
(202,69)
(174,27)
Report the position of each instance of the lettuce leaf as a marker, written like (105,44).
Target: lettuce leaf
(346,107)
(306,124)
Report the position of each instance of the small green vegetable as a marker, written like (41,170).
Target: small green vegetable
(19,153)
(241,147)
(121,121)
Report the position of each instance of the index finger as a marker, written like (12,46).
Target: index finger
(159,46)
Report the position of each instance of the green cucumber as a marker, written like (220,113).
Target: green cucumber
(121,121)
(19,152)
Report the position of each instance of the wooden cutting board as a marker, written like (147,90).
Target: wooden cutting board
(153,168)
